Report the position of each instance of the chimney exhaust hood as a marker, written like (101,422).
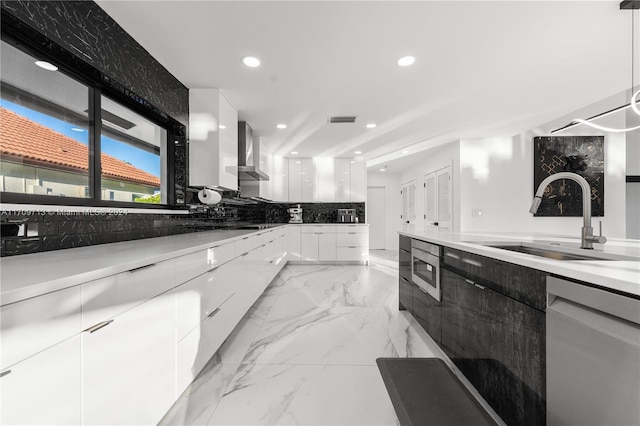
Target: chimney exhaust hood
(249,154)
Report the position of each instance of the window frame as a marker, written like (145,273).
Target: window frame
(90,78)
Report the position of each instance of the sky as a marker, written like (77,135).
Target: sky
(143,160)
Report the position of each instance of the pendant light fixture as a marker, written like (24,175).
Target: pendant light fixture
(635,98)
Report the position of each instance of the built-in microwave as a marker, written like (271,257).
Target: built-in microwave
(425,267)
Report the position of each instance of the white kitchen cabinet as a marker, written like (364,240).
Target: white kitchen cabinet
(213,140)
(352,243)
(295,179)
(45,388)
(33,325)
(318,243)
(327,247)
(309,180)
(280,179)
(266,165)
(358,179)
(326,179)
(129,365)
(294,242)
(309,247)
(343,179)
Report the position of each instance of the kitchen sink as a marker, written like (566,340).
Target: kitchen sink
(555,252)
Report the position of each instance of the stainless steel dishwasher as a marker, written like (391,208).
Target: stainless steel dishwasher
(593,356)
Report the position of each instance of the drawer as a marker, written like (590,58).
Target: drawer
(110,296)
(193,264)
(199,297)
(353,254)
(360,229)
(247,243)
(267,236)
(405,243)
(35,324)
(353,240)
(518,282)
(318,229)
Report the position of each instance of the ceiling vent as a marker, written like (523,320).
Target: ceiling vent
(342,119)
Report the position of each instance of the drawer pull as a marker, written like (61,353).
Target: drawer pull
(352,233)
(481,287)
(318,233)
(470,282)
(352,246)
(422,289)
(245,238)
(215,311)
(98,326)
(271,261)
(4,373)
(142,267)
(455,256)
(404,279)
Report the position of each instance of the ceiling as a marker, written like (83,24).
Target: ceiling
(483,68)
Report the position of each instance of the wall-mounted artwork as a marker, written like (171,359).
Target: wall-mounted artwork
(583,155)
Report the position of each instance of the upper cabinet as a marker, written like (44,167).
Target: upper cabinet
(279,179)
(213,140)
(326,180)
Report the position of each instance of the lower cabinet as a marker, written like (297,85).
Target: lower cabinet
(427,311)
(499,344)
(44,389)
(318,246)
(404,272)
(128,361)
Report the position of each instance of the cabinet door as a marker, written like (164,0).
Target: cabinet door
(309,180)
(343,179)
(228,145)
(326,180)
(309,246)
(327,247)
(427,312)
(33,325)
(129,365)
(295,179)
(44,389)
(280,179)
(358,180)
(498,343)
(266,165)
(294,242)
(405,294)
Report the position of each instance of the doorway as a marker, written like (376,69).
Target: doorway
(377,217)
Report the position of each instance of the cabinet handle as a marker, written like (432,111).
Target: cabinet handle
(470,282)
(4,373)
(353,247)
(352,233)
(422,289)
(271,261)
(244,254)
(142,267)
(318,233)
(245,238)
(215,311)
(481,287)
(404,279)
(98,326)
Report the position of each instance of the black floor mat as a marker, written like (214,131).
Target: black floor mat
(424,391)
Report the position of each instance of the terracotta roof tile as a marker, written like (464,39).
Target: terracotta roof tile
(24,138)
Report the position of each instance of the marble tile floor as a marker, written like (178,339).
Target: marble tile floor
(305,353)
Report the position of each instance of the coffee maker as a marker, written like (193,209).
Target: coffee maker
(296,214)
(347,216)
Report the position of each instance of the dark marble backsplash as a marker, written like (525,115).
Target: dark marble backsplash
(47,231)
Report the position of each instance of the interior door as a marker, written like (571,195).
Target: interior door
(408,192)
(437,199)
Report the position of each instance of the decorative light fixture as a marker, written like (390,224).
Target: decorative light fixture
(46,65)
(371,126)
(635,98)
(281,126)
(251,61)
(405,61)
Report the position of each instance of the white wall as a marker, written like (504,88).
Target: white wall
(391,183)
(497,178)
(432,160)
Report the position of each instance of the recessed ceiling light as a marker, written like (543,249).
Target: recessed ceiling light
(353,162)
(405,61)
(251,61)
(357,152)
(382,170)
(294,152)
(222,126)
(405,152)
(77,129)
(371,125)
(46,65)
(281,126)
(297,162)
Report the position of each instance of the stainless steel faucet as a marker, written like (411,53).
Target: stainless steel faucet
(587,231)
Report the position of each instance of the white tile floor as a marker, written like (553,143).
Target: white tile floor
(305,353)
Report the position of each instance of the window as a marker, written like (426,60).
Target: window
(49,148)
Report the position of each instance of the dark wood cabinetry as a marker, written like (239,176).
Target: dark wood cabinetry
(404,276)
(426,310)
(499,345)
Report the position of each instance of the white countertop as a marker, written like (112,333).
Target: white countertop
(31,275)
(620,275)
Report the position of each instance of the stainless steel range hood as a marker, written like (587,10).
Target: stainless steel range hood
(249,154)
